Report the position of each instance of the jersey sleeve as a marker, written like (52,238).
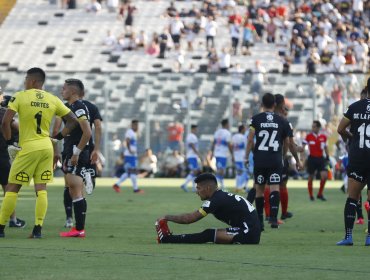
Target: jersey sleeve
(349,113)
(253,124)
(14,103)
(290,130)
(61,109)
(81,113)
(95,114)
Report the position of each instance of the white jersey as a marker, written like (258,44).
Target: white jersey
(222,139)
(239,145)
(131,135)
(191,139)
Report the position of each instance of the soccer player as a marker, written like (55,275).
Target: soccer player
(239,144)
(192,155)
(76,155)
(271,132)
(282,110)
(358,170)
(221,146)
(36,109)
(94,148)
(130,159)
(5,159)
(316,142)
(231,209)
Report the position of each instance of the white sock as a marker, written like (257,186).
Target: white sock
(134,181)
(188,179)
(123,177)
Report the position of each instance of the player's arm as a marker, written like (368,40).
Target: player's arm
(128,145)
(231,149)
(192,146)
(85,138)
(57,125)
(293,148)
(6,124)
(187,218)
(97,135)
(250,143)
(342,129)
(213,148)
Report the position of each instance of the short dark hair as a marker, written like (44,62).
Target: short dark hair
(224,122)
(368,85)
(241,127)
(268,100)
(77,83)
(279,99)
(206,177)
(318,123)
(134,121)
(193,126)
(37,73)
(364,91)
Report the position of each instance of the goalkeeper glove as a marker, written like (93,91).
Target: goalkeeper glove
(13,149)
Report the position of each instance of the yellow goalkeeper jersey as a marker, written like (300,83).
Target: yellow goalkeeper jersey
(36,109)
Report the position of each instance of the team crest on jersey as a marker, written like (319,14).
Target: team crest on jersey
(260,179)
(22,177)
(39,95)
(270,117)
(368,108)
(274,178)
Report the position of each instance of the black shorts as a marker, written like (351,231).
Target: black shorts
(240,237)
(315,163)
(81,168)
(4,171)
(359,172)
(269,176)
(285,172)
(175,38)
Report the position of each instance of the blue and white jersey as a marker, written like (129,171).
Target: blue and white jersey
(239,145)
(191,139)
(222,139)
(132,137)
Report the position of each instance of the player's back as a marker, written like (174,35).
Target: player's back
(36,109)
(270,131)
(239,144)
(132,137)
(191,139)
(359,115)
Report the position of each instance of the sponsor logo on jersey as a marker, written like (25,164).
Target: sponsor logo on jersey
(206,204)
(80,112)
(368,108)
(270,117)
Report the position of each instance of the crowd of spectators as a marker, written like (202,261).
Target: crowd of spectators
(322,35)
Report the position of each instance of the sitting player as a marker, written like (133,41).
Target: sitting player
(229,208)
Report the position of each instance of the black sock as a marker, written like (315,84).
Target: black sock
(349,216)
(67,203)
(205,236)
(80,213)
(2,227)
(251,195)
(359,209)
(260,201)
(274,205)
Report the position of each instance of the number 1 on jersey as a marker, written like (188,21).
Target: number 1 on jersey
(38,117)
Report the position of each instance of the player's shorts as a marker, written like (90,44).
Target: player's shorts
(193,163)
(82,164)
(4,170)
(239,167)
(360,173)
(269,176)
(221,163)
(36,164)
(315,163)
(285,172)
(240,237)
(130,162)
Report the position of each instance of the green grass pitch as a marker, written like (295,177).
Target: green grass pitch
(121,240)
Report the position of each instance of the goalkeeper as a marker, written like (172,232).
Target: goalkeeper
(36,109)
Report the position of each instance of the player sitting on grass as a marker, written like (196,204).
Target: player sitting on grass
(229,208)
